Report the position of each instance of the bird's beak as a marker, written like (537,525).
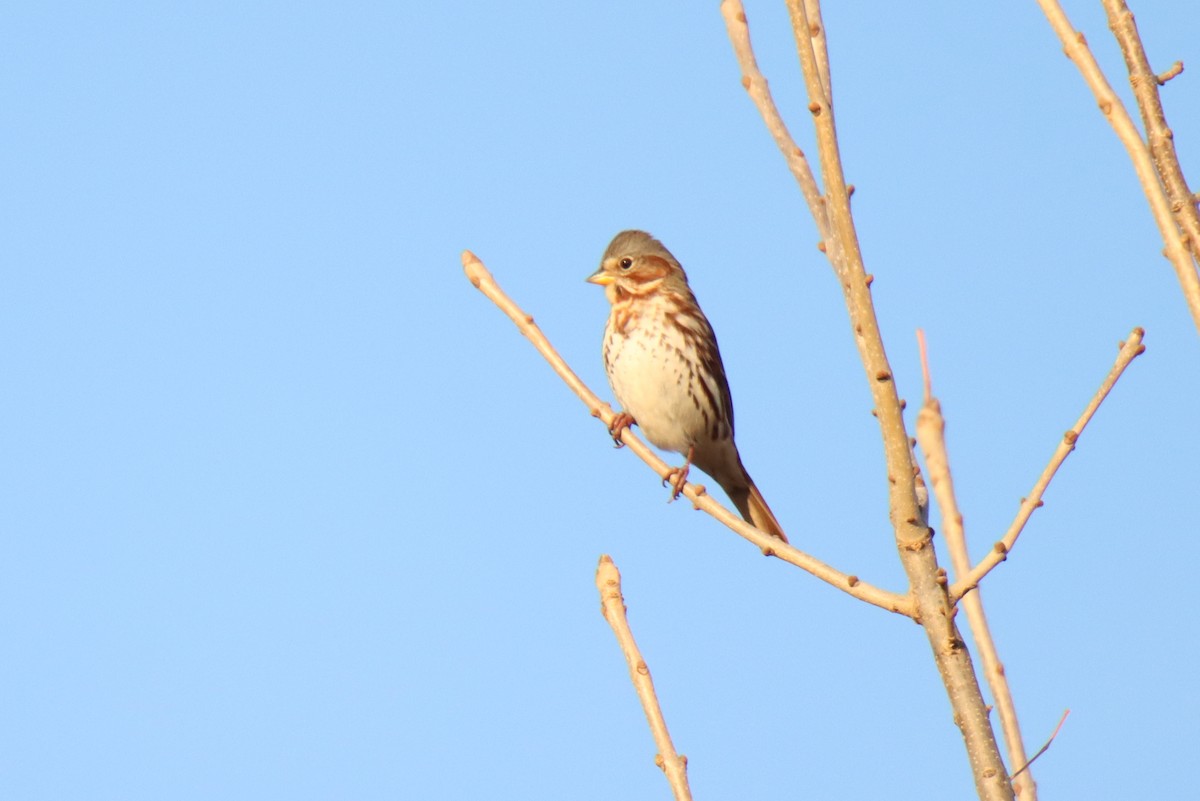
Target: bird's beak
(601,277)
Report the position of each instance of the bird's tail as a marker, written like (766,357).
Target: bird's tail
(758,513)
(749,501)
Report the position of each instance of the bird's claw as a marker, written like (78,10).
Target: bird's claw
(677,479)
(620,422)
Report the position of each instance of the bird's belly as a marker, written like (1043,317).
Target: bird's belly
(653,383)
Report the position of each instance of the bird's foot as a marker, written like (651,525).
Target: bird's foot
(620,422)
(677,478)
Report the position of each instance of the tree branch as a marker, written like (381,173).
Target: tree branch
(1075,46)
(612,604)
(931,434)
(1162,141)
(1130,350)
(1047,744)
(913,538)
(756,85)
(816,32)
(771,546)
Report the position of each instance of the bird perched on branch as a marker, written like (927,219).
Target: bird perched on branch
(664,366)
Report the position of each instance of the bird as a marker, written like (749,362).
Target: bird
(665,369)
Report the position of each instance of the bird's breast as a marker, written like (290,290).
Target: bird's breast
(653,372)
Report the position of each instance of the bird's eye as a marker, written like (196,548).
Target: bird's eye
(626,263)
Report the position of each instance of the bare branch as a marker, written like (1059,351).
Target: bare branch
(1130,350)
(612,604)
(1075,46)
(913,537)
(1162,141)
(1045,747)
(844,253)
(931,434)
(485,283)
(756,85)
(1173,71)
(816,31)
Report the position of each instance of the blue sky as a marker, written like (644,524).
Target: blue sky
(291,511)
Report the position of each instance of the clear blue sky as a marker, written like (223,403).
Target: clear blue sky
(290,511)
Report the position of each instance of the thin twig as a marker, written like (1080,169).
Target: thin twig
(485,283)
(1130,350)
(844,253)
(1158,134)
(1075,46)
(816,30)
(612,604)
(1045,747)
(756,85)
(1173,71)
(931,434)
